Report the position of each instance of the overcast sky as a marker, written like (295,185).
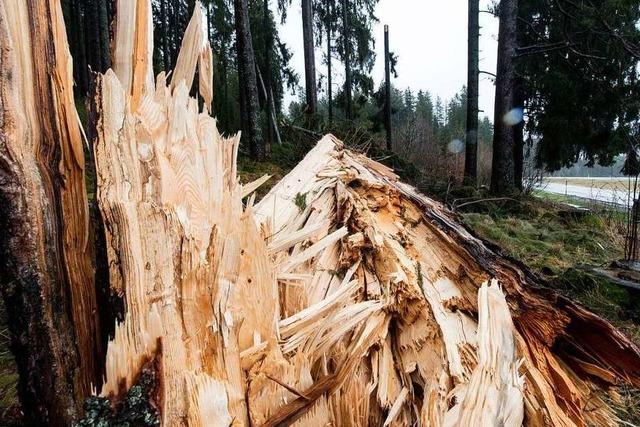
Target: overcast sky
(430,39)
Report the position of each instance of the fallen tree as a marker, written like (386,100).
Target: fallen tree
(342,297)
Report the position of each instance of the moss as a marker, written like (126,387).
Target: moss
(301,201)
(135,409)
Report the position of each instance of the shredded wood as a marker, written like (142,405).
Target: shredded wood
(366,305)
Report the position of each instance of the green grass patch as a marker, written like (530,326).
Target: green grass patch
(545,238)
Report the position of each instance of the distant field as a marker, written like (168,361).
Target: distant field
(618,184)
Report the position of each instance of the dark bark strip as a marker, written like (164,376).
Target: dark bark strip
(387,88)
(503,173)
(250,108)
(309,57)
(329,76)
(471,150)
(347,60)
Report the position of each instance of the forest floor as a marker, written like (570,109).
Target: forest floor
(535,230)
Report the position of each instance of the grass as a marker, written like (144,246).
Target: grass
(545,238)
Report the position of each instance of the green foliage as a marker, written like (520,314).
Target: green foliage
(283,76)
(579,78)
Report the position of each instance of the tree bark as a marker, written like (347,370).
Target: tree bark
(267,72)
(387,88)
(503,173)
(309,57)
(329,72)
(248,82)
(105,39)
(471,148)
(518,138)
(46,267)
(92,35)
(347,60)
(80,65)
(166,55)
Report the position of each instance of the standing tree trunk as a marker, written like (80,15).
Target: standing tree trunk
(92,35)
(166,55)
(267,72)
(309,57)
(47,272)
(174,30)
(347,60)
(74,45)
(387,88)
(105,40)
(471,149)
(518,138)
(248,82)
(503,173)
(329,75)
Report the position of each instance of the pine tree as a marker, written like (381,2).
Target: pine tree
(503,172)
(247,79)
(471,145)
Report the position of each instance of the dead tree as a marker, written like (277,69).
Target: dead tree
(47,273)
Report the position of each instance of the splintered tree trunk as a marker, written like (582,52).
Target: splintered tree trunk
(503,169)
(309,57)
(248,82)
(473,73)
(47,273)
(344,297)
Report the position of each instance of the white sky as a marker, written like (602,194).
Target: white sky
(430,39)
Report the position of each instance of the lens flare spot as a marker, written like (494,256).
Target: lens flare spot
(455,146)
(513,117)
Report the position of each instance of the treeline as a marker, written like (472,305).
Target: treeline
(567,78)
(252,67)
(428,131)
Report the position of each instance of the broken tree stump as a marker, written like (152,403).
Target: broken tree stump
(47,271)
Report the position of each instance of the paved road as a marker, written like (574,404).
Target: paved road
(603,195)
